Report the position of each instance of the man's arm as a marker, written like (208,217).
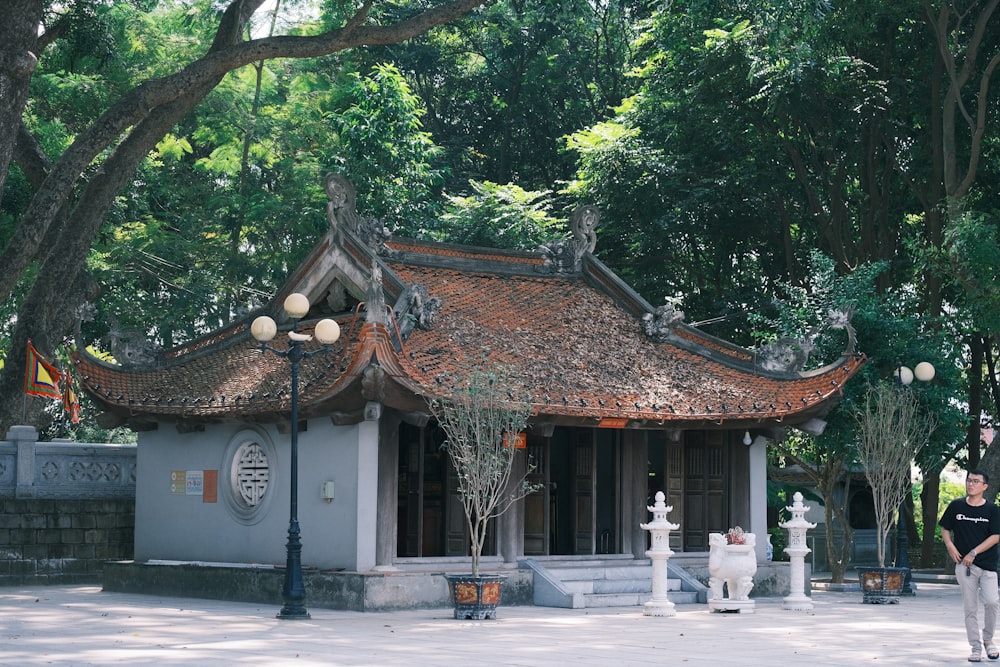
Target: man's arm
(950,546)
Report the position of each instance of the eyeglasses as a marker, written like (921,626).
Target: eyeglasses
(975,481)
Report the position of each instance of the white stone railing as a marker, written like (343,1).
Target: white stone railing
(64,469)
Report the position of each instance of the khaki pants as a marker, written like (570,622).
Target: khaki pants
(977,583)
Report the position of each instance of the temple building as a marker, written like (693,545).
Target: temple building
(628,400)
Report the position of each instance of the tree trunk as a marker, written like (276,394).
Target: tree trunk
(973,437)
(18,59)
(930,498)
(838,554)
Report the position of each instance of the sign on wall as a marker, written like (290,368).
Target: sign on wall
(203,483)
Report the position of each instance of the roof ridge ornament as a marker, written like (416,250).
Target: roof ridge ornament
(790,354)
(130,347)
(341,212)
(661,322)
(841,319)
(416,309)
(375,305)
(565,255)
(786,354)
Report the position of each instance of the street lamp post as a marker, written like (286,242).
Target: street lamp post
(327,332)
(924,371)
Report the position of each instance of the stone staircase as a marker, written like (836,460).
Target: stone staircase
(612,580)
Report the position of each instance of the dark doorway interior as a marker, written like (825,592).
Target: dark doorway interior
(576,511)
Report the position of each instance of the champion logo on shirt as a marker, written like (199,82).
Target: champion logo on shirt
(974,519)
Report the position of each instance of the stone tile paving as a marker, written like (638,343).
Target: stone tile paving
(80,625)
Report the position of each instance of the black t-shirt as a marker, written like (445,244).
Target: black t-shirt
(969,526)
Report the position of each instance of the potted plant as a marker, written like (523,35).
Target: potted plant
(891,430)
(483,420)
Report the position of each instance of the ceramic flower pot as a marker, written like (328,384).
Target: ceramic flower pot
(881,585)
(475,598)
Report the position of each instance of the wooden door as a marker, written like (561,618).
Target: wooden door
(583,492)
(705,488)
(539,536)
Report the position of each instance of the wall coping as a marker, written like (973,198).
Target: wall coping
(64,469)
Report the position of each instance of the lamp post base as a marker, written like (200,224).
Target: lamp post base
(294,591)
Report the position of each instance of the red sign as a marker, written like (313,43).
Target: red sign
(519,441)
(210,493)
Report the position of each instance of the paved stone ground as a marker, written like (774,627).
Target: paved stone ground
(81,625)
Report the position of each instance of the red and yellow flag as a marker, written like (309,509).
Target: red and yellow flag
(40,377)
(69,398)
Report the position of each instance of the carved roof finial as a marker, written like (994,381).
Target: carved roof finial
(564,256)
(341,211)
(343,201)
(584,224)
(660,323)
(375,306)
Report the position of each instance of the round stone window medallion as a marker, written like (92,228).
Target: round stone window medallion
(251,473)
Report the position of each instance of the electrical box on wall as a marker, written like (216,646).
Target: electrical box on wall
(326,492)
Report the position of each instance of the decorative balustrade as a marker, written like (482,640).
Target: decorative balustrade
(64,469)
(66,508)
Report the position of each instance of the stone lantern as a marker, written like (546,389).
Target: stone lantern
(659,551)
(797,526)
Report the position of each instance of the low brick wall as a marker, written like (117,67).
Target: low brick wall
(66,508)
(63,541)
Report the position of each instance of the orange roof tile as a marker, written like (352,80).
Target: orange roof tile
(576,344)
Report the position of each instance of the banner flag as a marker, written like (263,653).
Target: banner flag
(40,377)
(70,401)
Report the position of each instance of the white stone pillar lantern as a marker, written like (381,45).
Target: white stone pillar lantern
(797,526)
(659,551)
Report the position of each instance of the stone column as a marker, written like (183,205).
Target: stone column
(388,507)
(659,552)
(758,492)
(797,600)
(25,438)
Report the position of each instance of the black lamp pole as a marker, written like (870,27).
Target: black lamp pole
(903,377)
(293,592)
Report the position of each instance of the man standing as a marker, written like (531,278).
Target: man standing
(970,528)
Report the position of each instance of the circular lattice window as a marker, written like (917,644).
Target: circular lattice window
(250,460)
(251,473)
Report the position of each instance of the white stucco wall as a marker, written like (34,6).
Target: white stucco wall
(173,525)
(758,494)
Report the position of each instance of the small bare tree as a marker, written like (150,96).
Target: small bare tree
(891,431)
(481,422)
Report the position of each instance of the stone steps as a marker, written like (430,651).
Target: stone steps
(599,582)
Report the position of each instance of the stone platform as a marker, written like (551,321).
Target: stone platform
(349,591)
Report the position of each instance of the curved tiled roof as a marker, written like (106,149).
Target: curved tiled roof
(581,351)
(584,356)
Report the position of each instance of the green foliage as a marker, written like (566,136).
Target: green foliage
(253,157)
(378,141)
(803,311)
(779,540)
(890,331)
(500,216)
(758,133)
(973,248)
(948,491)
(505,84)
